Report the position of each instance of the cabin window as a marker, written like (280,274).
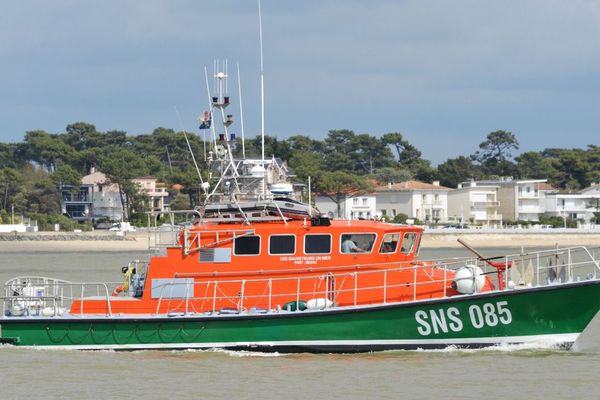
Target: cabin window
(389,243)
(317,244)
(246,246)
(408,243)
(282,244)
(357,242)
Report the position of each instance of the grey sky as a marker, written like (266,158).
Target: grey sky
(444,73)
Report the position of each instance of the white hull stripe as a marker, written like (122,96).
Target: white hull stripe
(542,339)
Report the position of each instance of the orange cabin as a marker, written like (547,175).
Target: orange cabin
(268,264)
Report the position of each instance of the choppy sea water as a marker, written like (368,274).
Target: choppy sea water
(515,372)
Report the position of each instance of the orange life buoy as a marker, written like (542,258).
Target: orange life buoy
(118,290)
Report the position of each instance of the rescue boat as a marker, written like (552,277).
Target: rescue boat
(295,286)
(256,269)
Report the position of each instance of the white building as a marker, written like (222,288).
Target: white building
(106,199)
(474,202)
(359,207)
(520,200)
(156,192)
(580,205)
(530,201)
(425,201)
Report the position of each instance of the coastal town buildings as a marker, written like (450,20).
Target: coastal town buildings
(427,202)
(485,202)
(490,203)
(97,198)
(579,205)
(520,200)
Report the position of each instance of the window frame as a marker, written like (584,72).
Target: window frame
(397,243)
(358,233)
(412,246)
(317,234)
(248,255)
(283,254)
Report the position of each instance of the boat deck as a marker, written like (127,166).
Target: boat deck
(41,297)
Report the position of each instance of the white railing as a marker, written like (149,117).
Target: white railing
(170,234)
(167,234)
(577,263)
(374,284)
(33,296)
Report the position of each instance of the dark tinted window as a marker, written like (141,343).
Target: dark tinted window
(282,244)
(317,244)
(247,245)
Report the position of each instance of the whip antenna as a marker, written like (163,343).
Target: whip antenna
(241,112)
(188,144)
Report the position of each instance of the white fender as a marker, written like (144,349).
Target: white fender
(318,304)
(468,279)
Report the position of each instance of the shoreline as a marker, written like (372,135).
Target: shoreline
(449,240)
(73,242)
(138,241)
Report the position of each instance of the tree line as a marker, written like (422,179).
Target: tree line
(342,164)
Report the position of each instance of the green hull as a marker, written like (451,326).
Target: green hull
(555,314)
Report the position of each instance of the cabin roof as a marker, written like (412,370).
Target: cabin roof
(337,225)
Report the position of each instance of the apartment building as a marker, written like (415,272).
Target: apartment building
(520,200)
(157,193)
(476,203)
(579,205)
(106,198)
(77,202)
(425,201)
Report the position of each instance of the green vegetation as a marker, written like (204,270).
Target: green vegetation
(558,222)
(46,222)
(400,218)
(342,164)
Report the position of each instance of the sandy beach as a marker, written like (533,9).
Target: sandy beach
(449,240)
(76,242)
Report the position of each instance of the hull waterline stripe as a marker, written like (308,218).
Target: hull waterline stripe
(394,343)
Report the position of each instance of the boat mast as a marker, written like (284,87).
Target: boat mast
(220,100)
(212,125)
(241,112)
(262,97)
